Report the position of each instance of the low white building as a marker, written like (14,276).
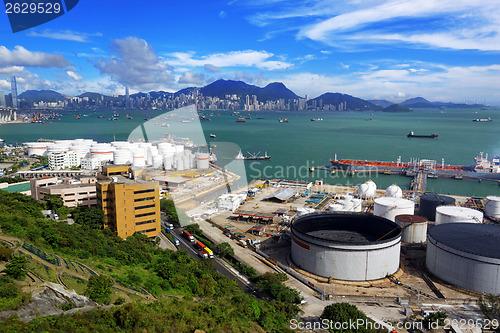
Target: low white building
(90,163)
(229,202)
(63,160)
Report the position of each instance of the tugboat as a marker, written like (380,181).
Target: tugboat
(284,120)
(212,135)
(316,119)
(241,120)
(483,120)
(430,136)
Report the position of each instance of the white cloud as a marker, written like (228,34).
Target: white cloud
(73,75)
(455,24)
(211,68)
(64,35)
(192,78)
(20,56)
(437,83)
(247,58)
(136,65)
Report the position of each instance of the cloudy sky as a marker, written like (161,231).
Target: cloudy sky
(443,50)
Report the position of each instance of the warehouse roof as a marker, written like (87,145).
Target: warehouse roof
(473,238)
(283,195)
(255,214)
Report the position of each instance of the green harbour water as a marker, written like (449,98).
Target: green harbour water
(301,143)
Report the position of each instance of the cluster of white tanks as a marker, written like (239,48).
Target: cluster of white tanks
(346,204)
(160,155)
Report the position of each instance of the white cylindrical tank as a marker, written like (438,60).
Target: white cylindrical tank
(414,228)
(179,164)
(81,151)
(139,158)
(102,151)
(168,161)
(202,161)
(57,148)
(394,191)
(178,148)
(453,214)
(37,148)
(122,157)
(157,162)
(492,207)
(391,207)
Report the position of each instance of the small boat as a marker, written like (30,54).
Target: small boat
(284,120)
(185,121)
(369,119)
(241,120)
(77,116)
(316,119)
(101,116)
(129,116)
(482,120)
(2,140)
(429,136)
(212,135)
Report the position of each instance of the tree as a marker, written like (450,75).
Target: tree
(5,253)
(346,313)
(53,201)
(17,267)
(92,217)
(99,289)
(174,215)
(224,249)
(194,229)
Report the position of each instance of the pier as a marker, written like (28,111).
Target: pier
(419,182)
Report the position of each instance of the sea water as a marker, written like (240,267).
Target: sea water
(301,143)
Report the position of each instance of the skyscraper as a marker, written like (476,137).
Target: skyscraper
(2,100)
(13,88)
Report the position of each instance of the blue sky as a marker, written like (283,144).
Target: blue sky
(443,50)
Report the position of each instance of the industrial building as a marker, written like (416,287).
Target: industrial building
(346,246)
(129,205)
(73,191)
(466,255)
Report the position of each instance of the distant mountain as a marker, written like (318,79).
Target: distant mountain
(380,102)
(420,102)
(417,102)
(271,92)
(36,96)
(396,108)
(353,103)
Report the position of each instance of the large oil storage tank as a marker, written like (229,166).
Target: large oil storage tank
(430,201)
(37,148)
(452,214)
(414,228)
(466,254)
(202,161)
(346,246)
(391,207)
(492,207)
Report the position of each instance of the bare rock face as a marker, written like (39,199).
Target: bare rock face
(49,302)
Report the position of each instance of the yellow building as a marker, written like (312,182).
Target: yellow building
(129,206)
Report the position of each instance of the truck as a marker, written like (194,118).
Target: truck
(200,245)
(176,242)
(188,236)
(203,254)
(210,252)
(242,242)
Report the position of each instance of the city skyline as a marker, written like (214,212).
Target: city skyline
(394,50)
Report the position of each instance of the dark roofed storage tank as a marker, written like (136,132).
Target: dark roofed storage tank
(430,201)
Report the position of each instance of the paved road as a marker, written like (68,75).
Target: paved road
(220,265)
